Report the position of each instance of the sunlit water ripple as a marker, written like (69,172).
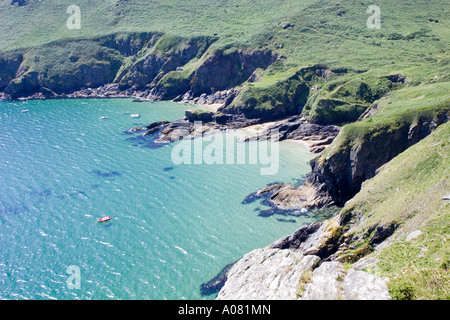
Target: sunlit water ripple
(174,227)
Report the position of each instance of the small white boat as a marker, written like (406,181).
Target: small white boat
(26,110)
(104,117)
(135,115)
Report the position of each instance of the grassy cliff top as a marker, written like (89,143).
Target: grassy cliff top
(400,107)
(305,31)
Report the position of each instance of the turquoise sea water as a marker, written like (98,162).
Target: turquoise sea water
(173,227)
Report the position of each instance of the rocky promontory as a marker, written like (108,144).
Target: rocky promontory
(296,268)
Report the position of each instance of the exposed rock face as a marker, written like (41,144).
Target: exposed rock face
(295,267)
(129,45)
(277,101)
(184,129)
(141,65)
(320,239)
(218,98)
(267,274)
(318,137)
(285,196)
(300,240)
(170,54)
(188,127)
(9,64)
(296,128)
(325,282)
(226,70)
(330,281)
(204,116)
(47,78)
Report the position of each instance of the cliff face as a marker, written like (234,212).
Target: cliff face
(226,70)
(62,68)
(218,71)
(356,157)
(9,64)
(147,65)
(165,54)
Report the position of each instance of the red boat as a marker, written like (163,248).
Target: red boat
(104,219)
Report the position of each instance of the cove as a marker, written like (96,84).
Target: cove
(174,227)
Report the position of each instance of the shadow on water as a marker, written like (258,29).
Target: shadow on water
(42,193)
(106,174)
(107,224)
(252,197)
(215,284)
(12,209)
(145,142)
(287,220)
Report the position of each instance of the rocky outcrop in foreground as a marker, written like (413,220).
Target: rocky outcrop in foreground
(267,274)
(300,267)
(291,269)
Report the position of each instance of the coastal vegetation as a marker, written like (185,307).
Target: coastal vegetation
(387,89)
(406,196)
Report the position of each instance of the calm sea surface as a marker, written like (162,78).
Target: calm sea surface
(173,227)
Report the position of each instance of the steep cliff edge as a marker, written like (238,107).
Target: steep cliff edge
(389,241)
(151,66)
(402,119)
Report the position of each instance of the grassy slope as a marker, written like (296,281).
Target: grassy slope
(402,106)
(319,34)
(43,21)
(413,39)
(408,192)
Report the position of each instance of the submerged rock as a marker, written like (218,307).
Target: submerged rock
(214,285)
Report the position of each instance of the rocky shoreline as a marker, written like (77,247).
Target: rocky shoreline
(113,90)
(217,118)
(296,128)
(282,197)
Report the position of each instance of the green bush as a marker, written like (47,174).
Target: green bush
(402,291)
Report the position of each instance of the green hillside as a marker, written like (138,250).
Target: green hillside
(408,195)
(319,31)
(387,89)
(413,41)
